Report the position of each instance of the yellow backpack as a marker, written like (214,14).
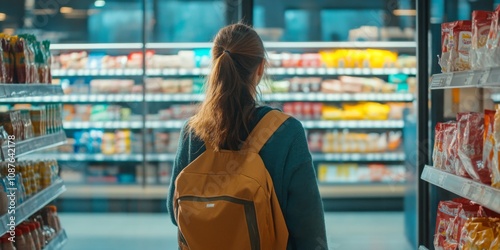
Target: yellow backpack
(225,200)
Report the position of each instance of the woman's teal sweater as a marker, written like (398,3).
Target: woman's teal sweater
(289,163)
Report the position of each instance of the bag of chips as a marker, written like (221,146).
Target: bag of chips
(481,23)
(444,60)
(495,167)
(470,146)
(493,41)
(446,214)
(450,146)
(438,156)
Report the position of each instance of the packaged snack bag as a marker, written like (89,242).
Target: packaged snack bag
(450,146)
(466,211)
(492,43)
(489,141)
(446,214)
(470,146)
(481,23)
(460,45)
(495,168)
(438,155)
(445,46)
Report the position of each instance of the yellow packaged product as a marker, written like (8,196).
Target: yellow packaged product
(331,113)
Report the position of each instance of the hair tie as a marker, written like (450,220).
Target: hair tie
(227,51)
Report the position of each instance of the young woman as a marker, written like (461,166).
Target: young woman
(227,116)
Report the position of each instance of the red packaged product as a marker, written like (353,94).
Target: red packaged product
(481,22)
(489,141)
(461,42)
(466,211)
(8,60)
(438,153)
(470,147)
(445,45)
(446,214)
(450,146)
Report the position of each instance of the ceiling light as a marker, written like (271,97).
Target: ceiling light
(99,3)
(66,10)
(401,12)
(3,16)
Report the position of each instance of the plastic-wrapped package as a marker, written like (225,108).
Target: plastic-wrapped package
(470,146)
(438,156)
(495,167)
(489,142)
(481,23)
(450,146)
(446,214)
(445,46)
(493,41)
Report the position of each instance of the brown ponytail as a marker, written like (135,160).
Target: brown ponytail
(230,101)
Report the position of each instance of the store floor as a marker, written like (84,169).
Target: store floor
(346,231)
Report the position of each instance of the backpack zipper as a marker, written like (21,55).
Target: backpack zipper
(250,215)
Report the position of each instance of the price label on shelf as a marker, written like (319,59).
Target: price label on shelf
(290,71)
(348,71)
(301,71)
(311,71)
(476,193)
(469,78)
(331,71)
(486,198)
(495,204)
(321,71)
(484,76)
(465,189)
(449,79)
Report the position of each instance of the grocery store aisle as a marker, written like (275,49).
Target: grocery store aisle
(346,230)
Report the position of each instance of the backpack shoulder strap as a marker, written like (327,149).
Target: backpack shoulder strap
(264,130)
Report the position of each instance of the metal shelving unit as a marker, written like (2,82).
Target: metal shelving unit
(23,90)
(190,98)
(58,242)
(11,93)
(31,145)
(489,77)
(33,204)
(484,195)
(205,71)
(177,124)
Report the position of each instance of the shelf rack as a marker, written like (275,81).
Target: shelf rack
(160,192)
(190,98)
(206,71)
(268,45)
(33,204)
(11,93)
(489,78)
(177,124)
(23,90)
(484,195)
(35,144)
(58,242)
(319,157)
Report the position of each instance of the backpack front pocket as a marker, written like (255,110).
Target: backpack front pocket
(218,223)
